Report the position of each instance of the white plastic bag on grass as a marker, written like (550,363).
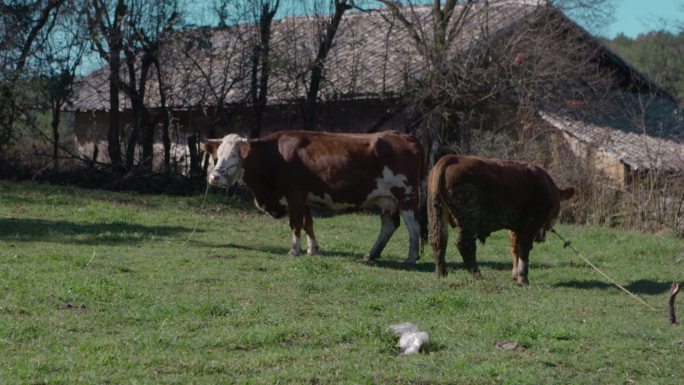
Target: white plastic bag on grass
(410,338)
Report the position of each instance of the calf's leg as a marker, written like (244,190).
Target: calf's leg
(467,247)
(512,240)
(521,244)
(389,223)
(311,243)
(296,223)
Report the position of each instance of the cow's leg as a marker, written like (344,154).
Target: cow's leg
(467,247)
(311,243)
(389,223)
(296,212)
(521,245)
(413,227)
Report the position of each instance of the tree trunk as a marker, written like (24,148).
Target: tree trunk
(7,113)
(262,53)
(165,120)
(115,48)
(255,131)
(325,44)
(141,121)
(195,168)
(55,136)
(148,127)
(114,145)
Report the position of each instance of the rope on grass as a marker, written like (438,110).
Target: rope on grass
(198,219)
(568,245)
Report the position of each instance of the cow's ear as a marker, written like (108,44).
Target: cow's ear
(211,146)
(244,149)
(566,193)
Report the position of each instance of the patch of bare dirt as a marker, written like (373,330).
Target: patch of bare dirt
(70,306)
(509,346)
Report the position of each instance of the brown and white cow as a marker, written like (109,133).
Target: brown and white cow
(289,170)
(481,195)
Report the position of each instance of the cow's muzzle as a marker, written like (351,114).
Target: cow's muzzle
(216,179)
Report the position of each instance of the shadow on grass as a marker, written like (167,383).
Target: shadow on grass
(399,265)
(275,250)
(426,265)
(30,230)
(641,286)
(644,286)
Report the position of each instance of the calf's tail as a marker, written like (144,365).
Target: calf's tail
(566,192)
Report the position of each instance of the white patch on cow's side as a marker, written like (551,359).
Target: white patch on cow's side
(328,202)
(385,184)
(414,234)
(296,246)
(228,167)
(311,245)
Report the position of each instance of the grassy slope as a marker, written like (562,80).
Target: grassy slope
(97,287)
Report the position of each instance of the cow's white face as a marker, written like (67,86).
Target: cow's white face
(228,161)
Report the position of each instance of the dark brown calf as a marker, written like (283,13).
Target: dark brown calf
(480,196)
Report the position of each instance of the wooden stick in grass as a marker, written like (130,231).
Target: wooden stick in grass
(673,293)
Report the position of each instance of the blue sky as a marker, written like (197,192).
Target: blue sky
(633,17)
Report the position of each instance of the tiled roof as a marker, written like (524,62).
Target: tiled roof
(373,56)
(638,151)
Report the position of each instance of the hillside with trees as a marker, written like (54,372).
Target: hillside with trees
(660,55)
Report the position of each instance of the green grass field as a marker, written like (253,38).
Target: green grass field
(98,288)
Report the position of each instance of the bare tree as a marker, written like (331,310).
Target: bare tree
(106,23)
(150,22)
(434,36)
(264,12)
(165,116)
(477,53)
(60,59)
(25,25)
(327,27)
(131,35)
(216,61)
(209,68)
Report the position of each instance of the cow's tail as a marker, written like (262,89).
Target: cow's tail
(438,216)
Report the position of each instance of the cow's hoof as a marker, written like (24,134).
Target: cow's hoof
(522,280)
(410,261)
(370,258)
(313,251)
(293,253)
(476,274)
(441,273)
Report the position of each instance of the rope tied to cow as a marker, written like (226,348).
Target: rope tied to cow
(567,244)
(204,200)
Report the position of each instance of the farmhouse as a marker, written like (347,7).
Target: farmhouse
(206,87)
